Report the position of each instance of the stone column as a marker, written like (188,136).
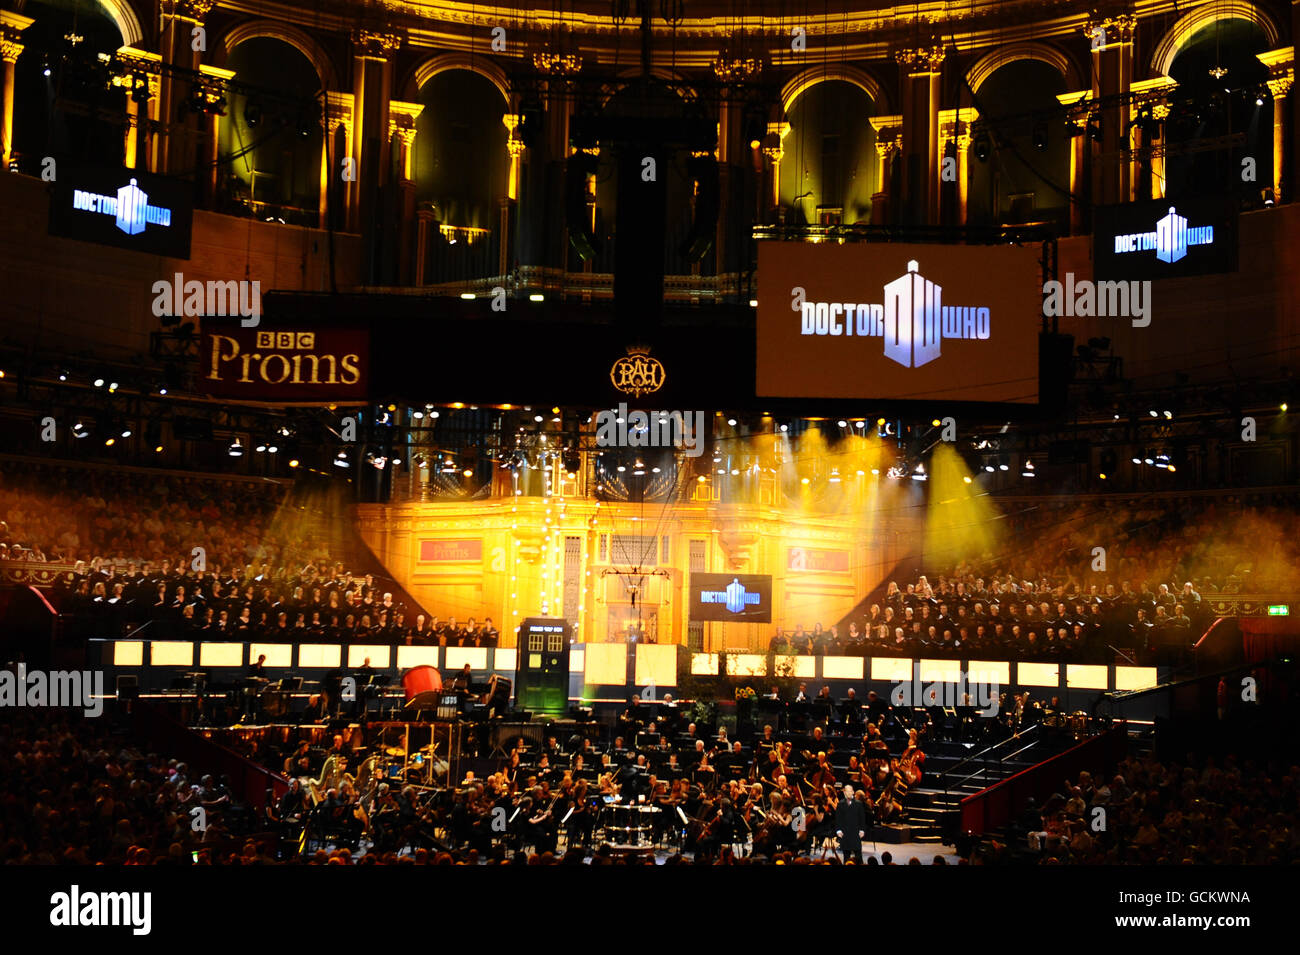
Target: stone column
(1111,38)
(954,127)
(179,130)
(338,116)
(12,26)
(215,86)
(401,127)
(920,155)
(1077,112)
(1281,77)
(884,203)
(774,150)
(425,220)
(372,72)
(135,65)
(1149,97)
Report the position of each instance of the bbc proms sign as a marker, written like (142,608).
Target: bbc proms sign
(285,365)
(125,208)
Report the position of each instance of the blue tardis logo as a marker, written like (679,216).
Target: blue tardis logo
(130,208)
(132,204)
(735,598)
(1170,240)
(1171,237)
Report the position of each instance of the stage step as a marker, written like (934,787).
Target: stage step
(893,834)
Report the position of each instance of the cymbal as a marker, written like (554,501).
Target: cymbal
(395,751)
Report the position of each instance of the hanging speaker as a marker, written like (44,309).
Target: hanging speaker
(577,214)
(703,171)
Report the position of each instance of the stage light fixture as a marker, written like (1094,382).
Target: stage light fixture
(79,430)
(1102,475)
(260,447)
(126,432)
(158,449)
(785,427)
(835,476)
(236,449)
(1040,136)
(753,303)
(63,376)
(467,296)
(110,442)
(935,422)
(966,479)
(99,382)
(1283,406)
(732,422)
(341,460)
(1169,415)
(983,146)
(804,481)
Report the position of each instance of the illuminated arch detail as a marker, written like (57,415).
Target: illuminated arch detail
(994,60)
(128,24)
(300,40)
(834,71)
(457,61)
(1172,43)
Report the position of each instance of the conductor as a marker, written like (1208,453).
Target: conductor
(850,826)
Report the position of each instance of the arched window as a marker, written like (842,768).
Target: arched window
(1026,174)
(270,140)
(64,104)
(830,169)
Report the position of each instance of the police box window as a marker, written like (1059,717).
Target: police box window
(125,208)
(735,597)
(1165,238)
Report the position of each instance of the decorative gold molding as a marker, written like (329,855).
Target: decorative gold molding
(12,26)
(922,59)
(339,108)
(1118,28)
(375,46)
(1281,69)
(195,10)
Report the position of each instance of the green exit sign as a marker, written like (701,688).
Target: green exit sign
(1279,610)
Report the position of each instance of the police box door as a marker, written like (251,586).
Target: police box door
(542,670)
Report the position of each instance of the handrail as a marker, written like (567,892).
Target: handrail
(983,754)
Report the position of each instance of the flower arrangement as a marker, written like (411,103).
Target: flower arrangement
(745,694)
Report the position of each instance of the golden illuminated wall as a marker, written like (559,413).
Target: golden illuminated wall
(501,558)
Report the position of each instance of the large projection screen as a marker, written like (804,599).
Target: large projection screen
(895,321)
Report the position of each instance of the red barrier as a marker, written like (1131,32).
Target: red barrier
(249,782)
(996,806)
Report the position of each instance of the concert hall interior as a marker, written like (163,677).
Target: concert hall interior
(610,432)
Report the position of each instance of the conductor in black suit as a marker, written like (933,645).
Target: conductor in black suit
(850,826)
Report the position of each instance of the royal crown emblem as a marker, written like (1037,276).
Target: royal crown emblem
(637,373)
